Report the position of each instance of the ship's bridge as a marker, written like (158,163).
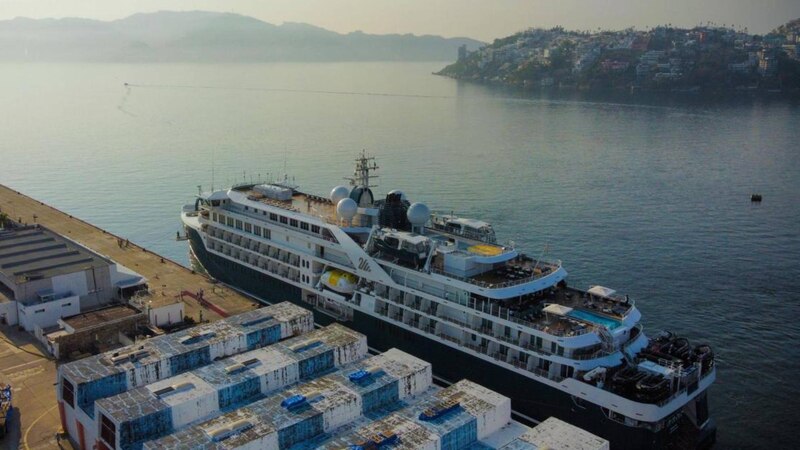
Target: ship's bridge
(460,226)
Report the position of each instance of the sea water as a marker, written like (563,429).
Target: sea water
(645,196)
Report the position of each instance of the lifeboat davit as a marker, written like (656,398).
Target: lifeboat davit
(339,281)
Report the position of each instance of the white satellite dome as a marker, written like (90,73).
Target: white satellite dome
(418,214)
(338,193)
(346,208)
(398,191)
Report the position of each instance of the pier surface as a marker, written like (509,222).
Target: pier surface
(25,365)
(165,277)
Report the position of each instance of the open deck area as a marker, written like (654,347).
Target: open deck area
(586,311)
(314,205)
(515,271)
(167,278)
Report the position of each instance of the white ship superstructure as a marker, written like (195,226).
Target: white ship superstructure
(442,286)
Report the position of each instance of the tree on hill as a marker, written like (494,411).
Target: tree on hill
(793,25)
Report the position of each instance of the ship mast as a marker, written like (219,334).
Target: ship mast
(361,175)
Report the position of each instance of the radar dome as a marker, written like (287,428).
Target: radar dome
(418,214)
(338,193)
(398,191)
(346,208)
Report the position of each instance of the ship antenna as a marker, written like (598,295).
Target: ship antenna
(361,174)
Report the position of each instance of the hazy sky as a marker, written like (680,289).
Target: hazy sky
(481,19)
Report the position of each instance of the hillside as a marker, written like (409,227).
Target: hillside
(208,37)
(709,59)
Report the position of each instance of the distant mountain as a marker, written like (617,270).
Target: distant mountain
(208,37)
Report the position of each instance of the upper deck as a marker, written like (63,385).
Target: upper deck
(299,202)
(576,312)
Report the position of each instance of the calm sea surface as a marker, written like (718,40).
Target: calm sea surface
(650,200)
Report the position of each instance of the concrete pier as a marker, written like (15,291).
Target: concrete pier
(23,362)
(166,277)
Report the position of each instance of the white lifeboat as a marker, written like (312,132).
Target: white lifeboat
(339,281)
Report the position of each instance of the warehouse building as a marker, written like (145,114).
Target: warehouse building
(45,276)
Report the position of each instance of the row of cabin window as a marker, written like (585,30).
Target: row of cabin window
(272,216)
(239,225)
(538,343)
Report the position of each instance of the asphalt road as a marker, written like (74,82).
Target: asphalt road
(35,420)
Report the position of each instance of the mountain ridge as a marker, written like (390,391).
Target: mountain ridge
(203,36)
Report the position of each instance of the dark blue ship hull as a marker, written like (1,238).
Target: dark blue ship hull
(533,400)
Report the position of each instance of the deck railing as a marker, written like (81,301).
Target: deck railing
(552,266)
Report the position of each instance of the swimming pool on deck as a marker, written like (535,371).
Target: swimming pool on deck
(594,318)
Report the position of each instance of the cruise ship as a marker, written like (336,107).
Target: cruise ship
(444,289)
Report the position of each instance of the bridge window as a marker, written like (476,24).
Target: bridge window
(273,216)
(214,217)
(257,230)
(284,220)
(303,226)
(238,224)
(315,229)
(248,228)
